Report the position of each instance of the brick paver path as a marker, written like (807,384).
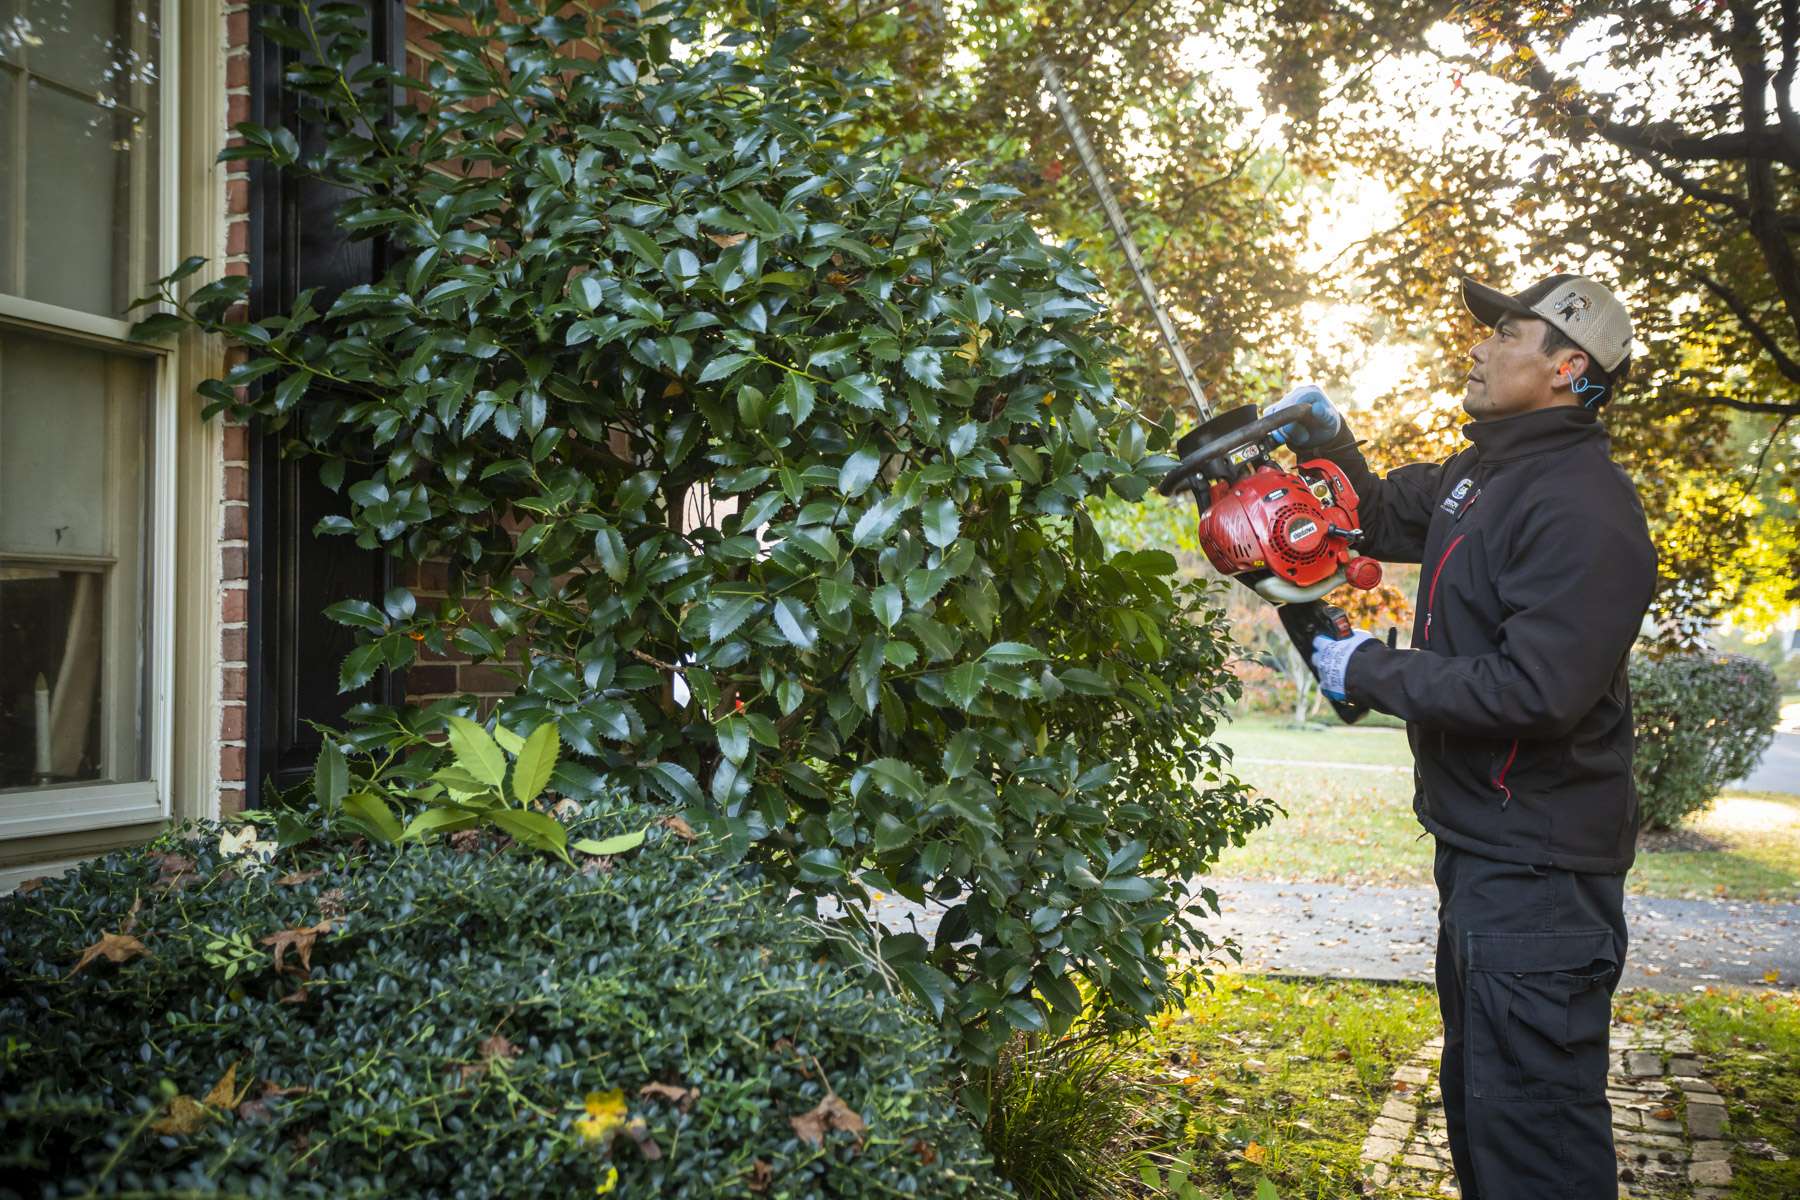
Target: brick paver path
(1668,1122)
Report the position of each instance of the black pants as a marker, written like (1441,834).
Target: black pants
(1527,961)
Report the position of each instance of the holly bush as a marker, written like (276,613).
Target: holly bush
(1702,720)
(353,1020)
(772,463)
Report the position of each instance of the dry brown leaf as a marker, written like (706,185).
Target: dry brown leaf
(253,1112)
(639,1132)
(925,1150)
(115,947)
(226,1093)
(332,903)
(498,1047)
(298,878)
(466,841)
(297,996)
(173,872)
(186,1115)
(1664,1114)
(1256,1152)
(761,1176)
(680,828)
(299,940)
(673,1093)
(130,925)
(31,885)
(726,241)
(830,1113)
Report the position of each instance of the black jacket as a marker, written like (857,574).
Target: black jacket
(1537,571)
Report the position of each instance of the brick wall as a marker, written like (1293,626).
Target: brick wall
(234,510)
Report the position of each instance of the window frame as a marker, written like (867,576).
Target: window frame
(74,808)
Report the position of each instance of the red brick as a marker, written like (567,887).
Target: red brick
(237,522)
(231,725)
(238,266)
(437,680)
(237,483)
(234,563)
(231,763)
(234,605)
(237,196)
(237,69)
(487,679)
(237,443)
(231,686)
(232,643)
(231,801)
(237,237)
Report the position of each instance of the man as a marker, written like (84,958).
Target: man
(1537,571)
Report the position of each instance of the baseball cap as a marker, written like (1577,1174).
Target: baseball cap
(1588,313)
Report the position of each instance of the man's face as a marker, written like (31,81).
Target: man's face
(1511,374)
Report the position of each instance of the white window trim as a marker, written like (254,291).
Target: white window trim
(78,807)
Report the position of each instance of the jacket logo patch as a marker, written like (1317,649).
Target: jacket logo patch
(1454,500)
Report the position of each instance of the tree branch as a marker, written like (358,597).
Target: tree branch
(1784,362)
(1784,78)
(1749,406)
(1778,253)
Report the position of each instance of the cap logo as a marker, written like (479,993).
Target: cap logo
(1572,307)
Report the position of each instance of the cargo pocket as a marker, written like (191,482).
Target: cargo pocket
(1538,1008)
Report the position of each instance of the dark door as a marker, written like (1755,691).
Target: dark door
(294,652)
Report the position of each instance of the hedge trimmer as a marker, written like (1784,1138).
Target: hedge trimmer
(1284,532)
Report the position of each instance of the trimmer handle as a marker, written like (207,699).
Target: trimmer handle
(1308,620)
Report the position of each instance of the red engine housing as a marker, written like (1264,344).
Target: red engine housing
(1293,524)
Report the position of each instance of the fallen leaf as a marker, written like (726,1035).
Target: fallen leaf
(925,1150)
(225,1093)
(173,872)
(30,885)
(185,1115)
(1772,976)
(130,925)
(639,1132)
(297,996)
(829,1113)
(332,903)
(300,940)
(761,1176)
(1664,1114)
(115,947)
(726,241)
(498,1047)
(298,878)
(1341,1054)
(605,1115)
(682,829)
(466,841)
(674,1094)
(1256,1152)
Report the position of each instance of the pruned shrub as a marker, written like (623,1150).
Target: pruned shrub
(1702,720)
(774,462)
(455,1021)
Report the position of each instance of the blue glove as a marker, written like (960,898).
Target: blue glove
(1316,422)
(1331,656)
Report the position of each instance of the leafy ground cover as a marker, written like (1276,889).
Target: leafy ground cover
(1752,1040)
(1357,826)
(1274,1083)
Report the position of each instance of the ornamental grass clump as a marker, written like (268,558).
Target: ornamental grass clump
(453,1019)
(774,462)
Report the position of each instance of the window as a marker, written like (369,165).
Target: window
(85,417)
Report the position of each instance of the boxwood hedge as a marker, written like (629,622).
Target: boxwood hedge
(1702,721)
(452,1021)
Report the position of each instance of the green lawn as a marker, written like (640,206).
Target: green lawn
(1753,1042)
(1280,1079)
(1264,1078)
(1356,825)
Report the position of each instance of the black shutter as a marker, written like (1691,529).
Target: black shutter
(294,652)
